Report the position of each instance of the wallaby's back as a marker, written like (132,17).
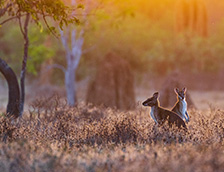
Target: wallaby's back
(172,118)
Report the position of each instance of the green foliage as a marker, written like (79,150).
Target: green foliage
(11,46)
(38,54)
(148,39)
(141,32)
(130,36)
(38,50)
(42,9)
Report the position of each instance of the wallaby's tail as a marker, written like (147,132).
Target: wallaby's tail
(175,118)
(182,124)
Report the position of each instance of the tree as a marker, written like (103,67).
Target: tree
(72,39)
(33,10)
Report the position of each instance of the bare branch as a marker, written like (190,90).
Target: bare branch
(56,66)
(11,18)
(73,37)
(20,25)
(78,52)
(81,33)
(64,40)
(76,64)
(49,28)
(7,20)
(68,57)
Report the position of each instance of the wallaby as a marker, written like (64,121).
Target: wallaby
(160,115)
(181,105)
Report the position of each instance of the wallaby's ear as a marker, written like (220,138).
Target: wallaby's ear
(176,90)
(156,95)
(184,89)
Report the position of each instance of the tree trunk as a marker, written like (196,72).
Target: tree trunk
(70,86)
(14,95)
(73,58)
(23,71)
(72,41)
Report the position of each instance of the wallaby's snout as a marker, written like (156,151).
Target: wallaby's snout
(152,100)
(146,103)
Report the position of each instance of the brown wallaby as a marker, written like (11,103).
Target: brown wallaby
(181,105)
(160,115)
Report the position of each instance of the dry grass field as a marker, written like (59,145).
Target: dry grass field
(152,41)
(54,137)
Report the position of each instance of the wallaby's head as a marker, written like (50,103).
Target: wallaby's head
(181,94)
(152,100)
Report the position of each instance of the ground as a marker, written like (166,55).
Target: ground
(203,99)
(54,137)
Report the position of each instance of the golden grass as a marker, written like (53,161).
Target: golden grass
(54,137)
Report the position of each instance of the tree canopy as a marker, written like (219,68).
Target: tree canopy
(39,9)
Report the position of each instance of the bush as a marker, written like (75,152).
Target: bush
(54,137)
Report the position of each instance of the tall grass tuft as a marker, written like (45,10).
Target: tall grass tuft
(55,137)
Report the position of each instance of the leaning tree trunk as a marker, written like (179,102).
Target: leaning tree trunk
(14,93)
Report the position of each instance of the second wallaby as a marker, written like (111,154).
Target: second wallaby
(181,105)
(161,115)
